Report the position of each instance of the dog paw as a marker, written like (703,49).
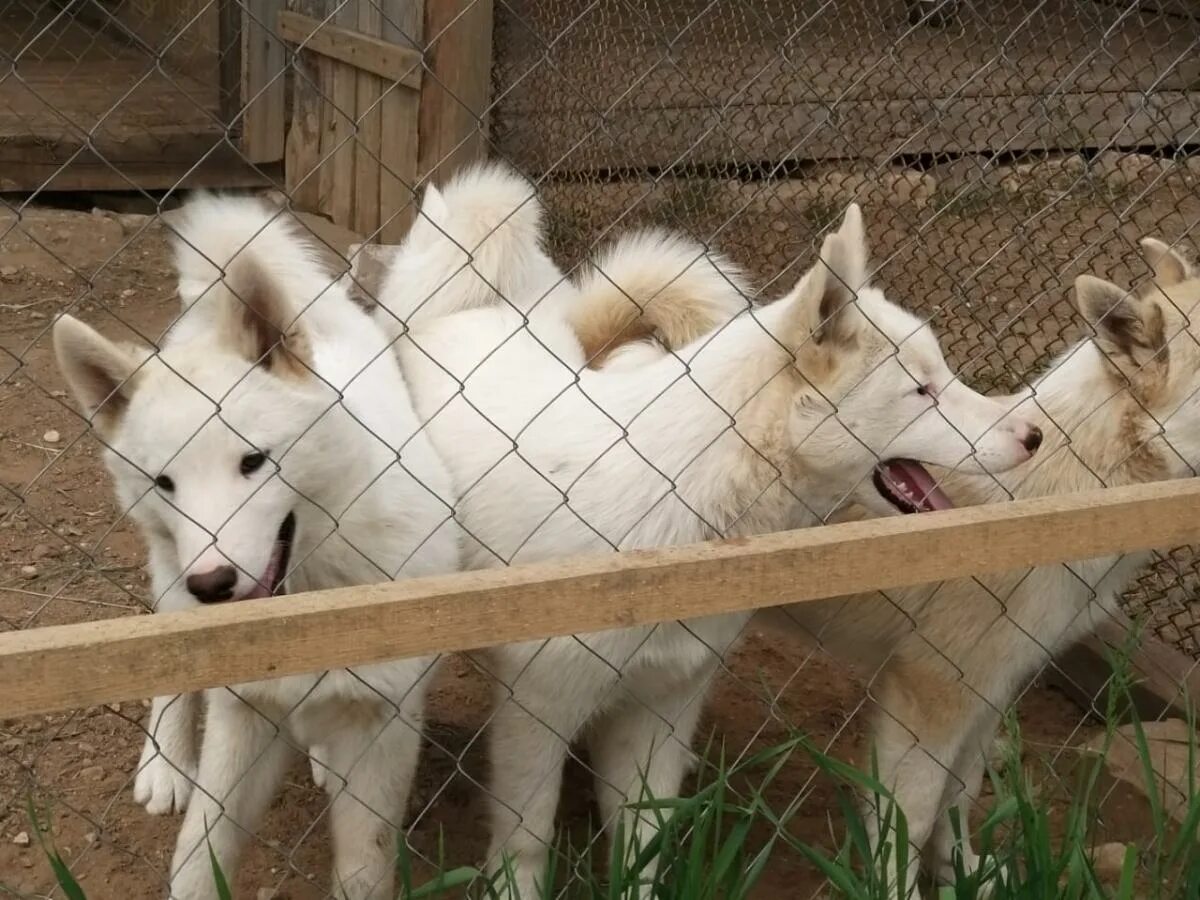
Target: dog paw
(160,786)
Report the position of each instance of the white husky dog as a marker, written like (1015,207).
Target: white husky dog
(831,393)
(270,439)
(948,659)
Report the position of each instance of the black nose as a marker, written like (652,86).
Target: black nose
(1033,438)
(217,584)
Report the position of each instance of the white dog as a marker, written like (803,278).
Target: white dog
(948,659)
(831,393)
(271,438)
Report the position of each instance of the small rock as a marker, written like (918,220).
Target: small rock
(92,773)
(1109,860)
(51,437)
(128,292)
(85,747)
(8,271)
(59,395)
(34,314)
(41,551)
(265,893)
(90,837)
(62,234)
(29,571)
(22,839)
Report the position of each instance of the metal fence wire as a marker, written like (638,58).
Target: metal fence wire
(997,152)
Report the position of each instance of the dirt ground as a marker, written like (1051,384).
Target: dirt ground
(977,254)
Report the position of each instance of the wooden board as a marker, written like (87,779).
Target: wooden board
(74,666)
(604,87)
(404,25)
(264,57)
(302,167)
(659,138)
(456,97)
(363,49)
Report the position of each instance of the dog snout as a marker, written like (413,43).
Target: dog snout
(1031,439)
(214,585)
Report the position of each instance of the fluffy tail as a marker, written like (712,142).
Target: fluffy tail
(476,241)
(654,285)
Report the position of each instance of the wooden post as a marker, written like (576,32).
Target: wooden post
(264,58)
(457,91)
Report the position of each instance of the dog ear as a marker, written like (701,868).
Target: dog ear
(1169,265)
(259,320)
(822,314)
(99,372)
(854,245)
(1128,327)
(433,206)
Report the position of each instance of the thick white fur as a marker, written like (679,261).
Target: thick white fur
(476,241)
(773,421)
(477,245)
(361,517)
(948,659)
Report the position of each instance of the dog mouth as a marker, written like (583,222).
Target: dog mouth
(270,584)
(908,486)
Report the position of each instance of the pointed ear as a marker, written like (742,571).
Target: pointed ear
(821,302)
(1129,328)
(854,241)
(259,320)
(1169,265)
(433,206)
(99,372)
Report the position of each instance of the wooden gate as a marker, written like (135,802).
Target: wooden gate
(386,94)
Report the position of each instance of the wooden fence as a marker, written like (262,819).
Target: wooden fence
(74,666)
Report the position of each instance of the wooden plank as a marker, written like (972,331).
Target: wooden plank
(263,59)
(89,173)
(403,23)
(627,138)
(73,666)
(1166,680)
(370,129)
(302,150)
(455,99)
(364,49)
(229,72)
(337,142)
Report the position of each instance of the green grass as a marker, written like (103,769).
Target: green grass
(716,843)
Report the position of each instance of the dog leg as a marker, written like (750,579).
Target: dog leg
(919,735)
(242,763)
(527,756)
(166,772)
(642,751)
(371,769)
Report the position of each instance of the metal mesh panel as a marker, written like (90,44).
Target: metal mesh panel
(998,151)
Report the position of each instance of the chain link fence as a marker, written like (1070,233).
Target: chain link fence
(997,151)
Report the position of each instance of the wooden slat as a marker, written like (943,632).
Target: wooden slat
(72,666)
(403,23)
(627,138)
(454,101)
(340,86)
(263,60)
(303,144)
(364,49)
(370,128)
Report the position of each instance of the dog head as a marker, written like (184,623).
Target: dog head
(207,440)
(876,398)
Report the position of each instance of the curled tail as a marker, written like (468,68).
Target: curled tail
(654,285)
(476,242)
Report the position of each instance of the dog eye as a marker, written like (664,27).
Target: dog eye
(164,483)
(252,462)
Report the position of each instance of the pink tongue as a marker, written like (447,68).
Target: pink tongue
(912,480)
(269,577)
